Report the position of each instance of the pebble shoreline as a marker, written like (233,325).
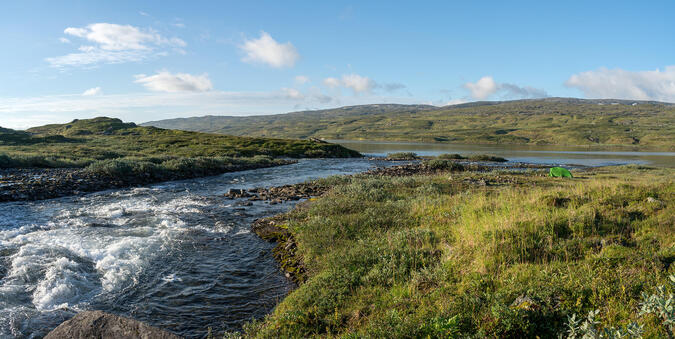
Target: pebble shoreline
(30,184)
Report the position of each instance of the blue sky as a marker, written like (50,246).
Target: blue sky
(152,60)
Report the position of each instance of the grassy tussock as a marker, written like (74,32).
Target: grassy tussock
(437,257)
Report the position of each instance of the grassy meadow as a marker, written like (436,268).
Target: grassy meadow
(440,257)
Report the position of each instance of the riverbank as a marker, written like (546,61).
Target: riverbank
(275,228)
(457,253)
(29,184)
(104,153)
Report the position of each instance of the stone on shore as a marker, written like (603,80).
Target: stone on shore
(101,325)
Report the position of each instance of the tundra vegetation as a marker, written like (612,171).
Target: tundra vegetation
(441,257)
(549,121)
(112,147)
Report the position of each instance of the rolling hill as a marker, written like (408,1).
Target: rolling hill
(81,142)
(549,121)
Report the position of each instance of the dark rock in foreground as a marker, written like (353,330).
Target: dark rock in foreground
(101,325)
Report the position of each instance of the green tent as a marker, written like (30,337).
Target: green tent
(559,172)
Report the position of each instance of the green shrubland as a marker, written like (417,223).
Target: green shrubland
(84,142)
(549,121)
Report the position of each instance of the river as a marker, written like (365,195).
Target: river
(177,254)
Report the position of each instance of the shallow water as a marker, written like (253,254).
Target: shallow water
(175,255)
(559,155)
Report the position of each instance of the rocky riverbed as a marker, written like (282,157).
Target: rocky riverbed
(306,190)
(29,184)
(278,194)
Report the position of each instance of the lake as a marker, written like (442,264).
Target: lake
(553,155)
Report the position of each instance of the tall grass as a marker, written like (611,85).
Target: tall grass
(437,257)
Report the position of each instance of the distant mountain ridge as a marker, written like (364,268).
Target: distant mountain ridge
(548,121)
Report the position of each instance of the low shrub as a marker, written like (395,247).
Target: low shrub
(402,156)
(450,156)
(38,161)
(443,164)
(486,157)
(170,168)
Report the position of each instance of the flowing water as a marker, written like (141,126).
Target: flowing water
(176,255)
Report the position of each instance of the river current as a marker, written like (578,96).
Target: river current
(176,255)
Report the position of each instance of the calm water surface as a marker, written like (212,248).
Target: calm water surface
(519,153)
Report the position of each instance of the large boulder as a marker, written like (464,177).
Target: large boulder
(101,325)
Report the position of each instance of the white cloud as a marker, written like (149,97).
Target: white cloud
(621,84)
(92,91)
(358,83)
(292,93)
(394,86)
(139,107)
(64,40)
(113,37)
(487,86)
(482,88)
(332,82)
(112,43)
(355,82)
(95,56)
(164,81)
(455,102)
(301,79)
(267,51)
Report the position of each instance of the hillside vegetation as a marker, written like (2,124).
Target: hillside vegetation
(440,257)
(82,142)
(551,121)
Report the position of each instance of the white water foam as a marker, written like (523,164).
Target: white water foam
(76,255)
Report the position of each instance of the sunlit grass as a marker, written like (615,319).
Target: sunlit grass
(438,256)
